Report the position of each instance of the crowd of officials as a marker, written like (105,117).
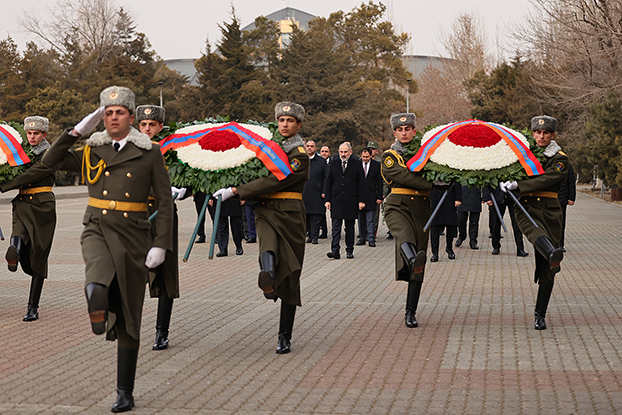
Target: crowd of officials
(127,182)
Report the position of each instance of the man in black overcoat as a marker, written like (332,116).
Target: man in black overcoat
(345,196)
(373,198)
(313,194)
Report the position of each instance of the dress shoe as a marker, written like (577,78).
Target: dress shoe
(32,314)
(309,240)
(251,241)
(451,255)
(563,249)
(161,340)
(284,345)
(239,251)
(200,240)
(349,255)
(410,319)
(333,255)
(372,244)
(490,236)
(496,251)
(125,401)
(314,241)
(459,242)
(539,324)
(434,258)
(389,236)
(522,252)
(360,242)
(222,253)
(473,245)
(323,236)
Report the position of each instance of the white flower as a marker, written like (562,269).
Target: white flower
(474,158)
(15,135)
(198,158)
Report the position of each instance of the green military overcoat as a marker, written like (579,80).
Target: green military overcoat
(546,211)
(405,214)
(34,217)
(281,223)
(115,242)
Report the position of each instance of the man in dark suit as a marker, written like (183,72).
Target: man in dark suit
(373,198)
(503,202)
(313,195)
(345,196)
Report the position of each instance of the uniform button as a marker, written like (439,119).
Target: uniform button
(125,214)
(538,199)
(127,194)
(105,192)
(412,198)
(107,174)
(129,174)
(104,212)
(30,197)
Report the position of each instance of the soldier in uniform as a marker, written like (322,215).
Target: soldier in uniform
(163,280)
(407,208)
(120,166)
(538,195)
(280,219)
(34,215)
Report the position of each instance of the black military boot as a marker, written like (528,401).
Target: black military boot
(163,321)
(415,260)
(286,325)
(126,372)
(97,300)
(552,254)
(267,277)
(542,303)
(12,253)
(412,300)
(36,286)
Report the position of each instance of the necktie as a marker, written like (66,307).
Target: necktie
(366,164)
(343,166)
(116,147)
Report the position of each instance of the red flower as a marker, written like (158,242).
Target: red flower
(474,135)
(220,140)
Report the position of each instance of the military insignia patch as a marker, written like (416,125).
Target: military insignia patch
(301,149)
(31,124)
(295,164)
(114,95)
(147,111)
(540,121)
(389,162)
(403,119)
(560,167)
(286,108)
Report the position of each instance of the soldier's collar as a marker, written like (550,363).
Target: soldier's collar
(399,147)
(292,143)
(41,147)
(552,149)
(139,139)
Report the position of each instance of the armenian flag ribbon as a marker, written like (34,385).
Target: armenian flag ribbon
(15,154)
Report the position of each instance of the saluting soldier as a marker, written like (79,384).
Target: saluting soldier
(120,166)
(407,208)
(34,215)
(163,280)
(539,197)
(280,221)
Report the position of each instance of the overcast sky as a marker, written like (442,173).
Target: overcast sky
(179,28)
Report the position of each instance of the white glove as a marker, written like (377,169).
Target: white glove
(89,122)
(181,192)
(507,186)
(155,257)
(225,193)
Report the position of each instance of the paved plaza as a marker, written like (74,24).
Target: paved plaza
(475,351)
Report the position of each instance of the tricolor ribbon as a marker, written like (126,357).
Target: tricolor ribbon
(526,158)
(268,151)
(15,154)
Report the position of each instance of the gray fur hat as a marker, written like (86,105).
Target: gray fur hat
(289,108)
(544,122)
(150,112)
(118,95)
(37,123)
(405,118)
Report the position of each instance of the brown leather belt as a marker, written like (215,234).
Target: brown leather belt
(283,195)
(541,194)
(33,190)
(117,205)
(412,192)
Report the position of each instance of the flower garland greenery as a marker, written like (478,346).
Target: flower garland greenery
(182,175)
(8,172)
(473,178)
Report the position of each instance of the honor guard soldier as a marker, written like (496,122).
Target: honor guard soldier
(120,166)
(163,280)
(407,208)
(280,221)
(539,197)
(34,215)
